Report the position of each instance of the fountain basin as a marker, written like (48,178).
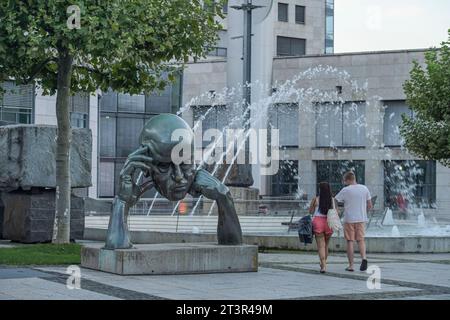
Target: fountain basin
(374,244)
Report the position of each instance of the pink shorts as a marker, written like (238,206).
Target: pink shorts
(320,226)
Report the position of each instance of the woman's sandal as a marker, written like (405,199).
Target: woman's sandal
(349,269)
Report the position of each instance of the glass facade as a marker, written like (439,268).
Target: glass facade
(332,171)
(16,103)
(329,26)
(121,119)
(285,182)
(212,117)
(412,182)
(341,125)
(285,118)
(392,121)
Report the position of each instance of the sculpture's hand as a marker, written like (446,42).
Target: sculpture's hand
(209,186)
(129,191)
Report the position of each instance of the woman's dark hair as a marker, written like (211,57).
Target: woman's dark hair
(325,197)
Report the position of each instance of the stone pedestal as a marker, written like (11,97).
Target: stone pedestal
(29,217)
(171,258)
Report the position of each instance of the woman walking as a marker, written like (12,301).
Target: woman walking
(319,207)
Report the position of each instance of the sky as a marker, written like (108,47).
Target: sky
(374,25)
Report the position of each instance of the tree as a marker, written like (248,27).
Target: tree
(84,45)
(427,134)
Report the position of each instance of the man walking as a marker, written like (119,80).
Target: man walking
(356,199)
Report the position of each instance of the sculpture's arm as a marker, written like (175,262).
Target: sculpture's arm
(228,227)
(129,193)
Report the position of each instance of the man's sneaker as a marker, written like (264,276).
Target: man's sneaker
(363,265)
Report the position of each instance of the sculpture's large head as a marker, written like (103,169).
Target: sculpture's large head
(170,142)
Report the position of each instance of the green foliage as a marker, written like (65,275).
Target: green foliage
(123,44)
(428,95)
(41,254)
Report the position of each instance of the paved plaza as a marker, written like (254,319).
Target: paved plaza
(282,275)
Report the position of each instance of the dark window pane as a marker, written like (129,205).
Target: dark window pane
(78,120)
(298,47)
(225,7)
(329,125)
(283,46)
(283,12)
(131,103)
(332,172)
(284,117)
(285,182)
(108,101)
(290,46)
(392,121)
(300,14)
(159,102)
(106,179)
(128,131)
(107,136)
(17,96)
(79,102)
(354,121)
(408,183)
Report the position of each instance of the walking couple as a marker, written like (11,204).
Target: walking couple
(357,200)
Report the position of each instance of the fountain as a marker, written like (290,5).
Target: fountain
(395,232)
(401,219)
(388,218)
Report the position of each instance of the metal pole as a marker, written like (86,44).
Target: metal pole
(247,62)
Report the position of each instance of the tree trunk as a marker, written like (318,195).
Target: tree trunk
(61,230)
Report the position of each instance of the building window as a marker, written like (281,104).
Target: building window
(285,182)
(78,120)
(410,183)
(212,117)
(341,125)
(218,52)
(131,103)
(392,121)
(332,172)
(300,14)
(79,110)
(284,117)
(290,46)
(329,27)
(16,103)
(225,7)
(283,12)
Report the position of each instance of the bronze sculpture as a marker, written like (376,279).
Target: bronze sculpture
(171,180)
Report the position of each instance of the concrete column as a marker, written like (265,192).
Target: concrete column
(374,177)
(443,192)
(94,126)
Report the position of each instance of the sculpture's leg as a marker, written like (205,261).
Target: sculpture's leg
(118,236)
(228,228)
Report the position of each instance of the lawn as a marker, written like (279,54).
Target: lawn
(41,254)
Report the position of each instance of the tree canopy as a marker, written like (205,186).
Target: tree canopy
(122,44)
(427,134)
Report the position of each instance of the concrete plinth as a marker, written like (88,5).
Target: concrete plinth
(171,258)
(29,217)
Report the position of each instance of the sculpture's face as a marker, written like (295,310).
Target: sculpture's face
(172,178)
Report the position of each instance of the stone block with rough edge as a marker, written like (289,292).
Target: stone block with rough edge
(27,157)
